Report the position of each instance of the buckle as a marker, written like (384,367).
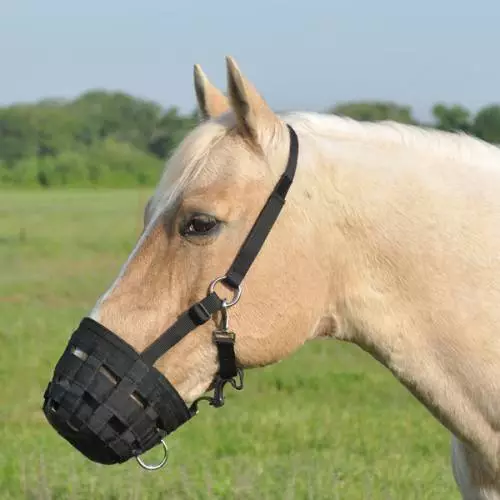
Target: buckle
(199,314)
(223,336)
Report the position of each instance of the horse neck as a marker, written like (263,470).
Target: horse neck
(399,260)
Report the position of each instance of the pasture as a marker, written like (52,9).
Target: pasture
(327,423)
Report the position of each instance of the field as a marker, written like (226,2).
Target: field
(327,423)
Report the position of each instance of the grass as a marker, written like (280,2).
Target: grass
(327,423)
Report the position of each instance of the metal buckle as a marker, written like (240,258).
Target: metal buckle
(224,336)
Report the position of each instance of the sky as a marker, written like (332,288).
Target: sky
(301,55)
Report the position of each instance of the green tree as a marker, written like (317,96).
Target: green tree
(25,172)
(5,174)
(170,131)
(452,118)
(18,133)
(375,111)
(112,163)
(116,115)
(56,129)
(487,124)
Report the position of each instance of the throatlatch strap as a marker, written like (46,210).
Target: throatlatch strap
(196,315)
(267,217)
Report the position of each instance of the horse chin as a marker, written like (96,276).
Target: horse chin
(201,391)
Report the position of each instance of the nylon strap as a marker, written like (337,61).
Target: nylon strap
(195,316)
(266,219)
(227,357)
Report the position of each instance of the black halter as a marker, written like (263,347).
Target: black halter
(201,312)
(110,402)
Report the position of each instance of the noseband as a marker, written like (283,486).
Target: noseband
(110,402)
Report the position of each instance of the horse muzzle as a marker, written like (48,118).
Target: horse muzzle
(106,401)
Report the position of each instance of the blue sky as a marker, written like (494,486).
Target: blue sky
(302,55)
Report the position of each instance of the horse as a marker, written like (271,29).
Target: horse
(389,239)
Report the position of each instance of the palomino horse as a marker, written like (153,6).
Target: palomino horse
(390,239)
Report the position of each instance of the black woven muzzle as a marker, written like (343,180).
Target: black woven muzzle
(106,401)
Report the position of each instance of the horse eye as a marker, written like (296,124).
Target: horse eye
(200,225)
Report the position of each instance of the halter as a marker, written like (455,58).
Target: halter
(202,311)
(112,422)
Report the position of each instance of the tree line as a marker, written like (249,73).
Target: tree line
(113,139)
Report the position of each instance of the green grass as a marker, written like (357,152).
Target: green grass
(327,423)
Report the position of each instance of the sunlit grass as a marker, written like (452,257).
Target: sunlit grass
(328,423)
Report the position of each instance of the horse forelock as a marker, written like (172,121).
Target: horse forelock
(185,165)
(191,159)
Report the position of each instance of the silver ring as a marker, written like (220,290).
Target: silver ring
(236,296)
(157,466)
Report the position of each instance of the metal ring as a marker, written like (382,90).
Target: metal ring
(236,296)
(157,466)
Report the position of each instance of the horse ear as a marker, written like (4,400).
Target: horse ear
(252,112)
(211,101)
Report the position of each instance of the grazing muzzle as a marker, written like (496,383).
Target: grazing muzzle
(110,402)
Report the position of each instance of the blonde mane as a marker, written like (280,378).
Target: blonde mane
(454,146)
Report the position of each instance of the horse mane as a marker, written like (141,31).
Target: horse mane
(457,146)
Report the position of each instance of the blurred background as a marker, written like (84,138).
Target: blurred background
(94,97)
